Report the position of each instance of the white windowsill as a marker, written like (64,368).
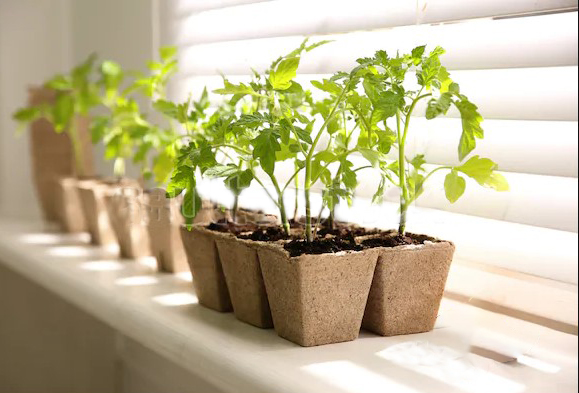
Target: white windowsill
(161,312)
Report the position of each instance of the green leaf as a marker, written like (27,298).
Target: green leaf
(328,86)
(251,120)
(59,82)
(98,128)
(326,156)
(388,104)
(182,177)
(454,186)
(418,162)
(221,171)
(167,108)
(264,148)
(239,181)
(304,135)
(284,73)
(471,127)
(374,157)
(163,165)
(417,54)
(480,169)
(440,106)
(191,204)
(498,182)
(241,89)
(63,111)
(27,115)
(167,53)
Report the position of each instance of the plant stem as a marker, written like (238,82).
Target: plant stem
(308,176)
(297,194)
(402,176)
(281,206)
(76,148)
(235,208)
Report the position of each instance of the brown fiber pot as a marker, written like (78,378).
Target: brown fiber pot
(164,223)
(244,280)
(317,299)
(128,217)
(203,258)
(71,215)
(407,288)
(52,155)
(92,197)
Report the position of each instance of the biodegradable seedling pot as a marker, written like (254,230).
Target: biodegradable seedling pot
(164,223)
(242,271)
(203,258)
(128,217)
(71,215)
(92,197)
(407,288)
(52,156)
(317,299)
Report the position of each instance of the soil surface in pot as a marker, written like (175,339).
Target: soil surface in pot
(393,239)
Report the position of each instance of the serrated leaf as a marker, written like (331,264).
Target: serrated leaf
(374,157)
(221,171)
(239,181)
(238,90)
(471,127)
(167,108)
(327,86)
(285,72)
(418,162)
(498,182)
(440,106)
(265,145)
(480,169)
(454,186)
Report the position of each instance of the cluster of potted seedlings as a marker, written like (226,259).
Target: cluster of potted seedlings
(314,279)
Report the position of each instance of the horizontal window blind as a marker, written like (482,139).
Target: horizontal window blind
(517,60)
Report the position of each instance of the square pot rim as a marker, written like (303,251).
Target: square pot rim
(280,249)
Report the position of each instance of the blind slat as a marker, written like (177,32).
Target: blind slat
(541,41)
(307,17)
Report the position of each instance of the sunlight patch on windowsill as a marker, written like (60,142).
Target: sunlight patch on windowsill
(176,299)
(136,281)
(102,266)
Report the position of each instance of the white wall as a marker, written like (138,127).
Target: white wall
(39,38)
(34,44)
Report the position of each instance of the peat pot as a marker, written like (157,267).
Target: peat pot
(208,279)
(164,223)
(240,262)
(407,288)
(70,213)
(128,217)
(92,197)
(317,299)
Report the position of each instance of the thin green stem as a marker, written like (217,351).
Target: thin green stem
(281,205)
(308,175)
(294,176)
(76,148)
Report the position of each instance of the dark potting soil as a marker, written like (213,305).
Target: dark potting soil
(226,226)
(322,246)
(392,239)
(269,234)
